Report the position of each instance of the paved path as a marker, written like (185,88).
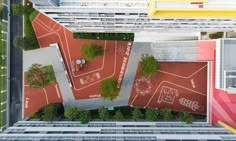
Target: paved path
(122,100)
(50,56)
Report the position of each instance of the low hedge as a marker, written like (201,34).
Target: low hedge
(105,36)
(216,35)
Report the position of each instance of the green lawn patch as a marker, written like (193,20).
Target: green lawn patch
(48,70)
(28,28)
(105,36)
(33,15)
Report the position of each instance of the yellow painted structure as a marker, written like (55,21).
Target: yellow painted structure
(188,12)
(181,0)
(231,129)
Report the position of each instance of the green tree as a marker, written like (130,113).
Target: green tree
(151,114)
(36,77)
(53,112)
(136,114)
(19,42)
(103,113)
(85,116)
(148,65)
(108,88)
(18,9)
(119,116)
(186,117)
(166,114)
(72,113)
(90,51)
(25,43)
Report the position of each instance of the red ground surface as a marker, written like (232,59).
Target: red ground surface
(86,81)
(222,105)
(35,98)
(178,86)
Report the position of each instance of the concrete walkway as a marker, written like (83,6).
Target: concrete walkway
(126,87)
(50,56)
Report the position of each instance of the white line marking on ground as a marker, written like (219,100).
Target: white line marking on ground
(103,62)
(175,85)
(46,96)
(58,93)
(70,59)
(90,78)
(94,82)
(183,76)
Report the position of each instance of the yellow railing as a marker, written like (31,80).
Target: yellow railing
(231,129)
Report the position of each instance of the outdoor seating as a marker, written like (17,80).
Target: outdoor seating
(80,61)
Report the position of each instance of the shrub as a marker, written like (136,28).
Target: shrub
(109,88)
(25,43)
(49,112)
(90,51)
(71,113)
(103,113)
(186,117)
(151,114)
(119,116)
(84,116)
(148,65)
(216,35)
(166,114)
(136,114)
(53,111)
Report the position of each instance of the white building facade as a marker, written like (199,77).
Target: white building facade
(135,15)
(115,131)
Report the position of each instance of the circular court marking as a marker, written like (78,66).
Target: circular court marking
(121,49)
(143,85)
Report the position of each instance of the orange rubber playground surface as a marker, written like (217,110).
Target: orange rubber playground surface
(86,80)
(180,86)
(35,98)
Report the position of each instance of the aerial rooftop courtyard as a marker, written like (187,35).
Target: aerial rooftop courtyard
(184,83)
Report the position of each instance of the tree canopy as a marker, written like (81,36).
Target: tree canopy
(49,112)
(18,9)
(103,113)
(166,114)
(36,77)
(119,116)
(148,65)
(72,113)
(186,117)
(90,51)
(136,114)
(108,88)
(151,114)
(25,43)
(84,116)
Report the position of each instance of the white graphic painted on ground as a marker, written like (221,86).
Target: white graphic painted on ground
(167,95)
(189,103)
(90,78)
(143,85)
(121,49)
